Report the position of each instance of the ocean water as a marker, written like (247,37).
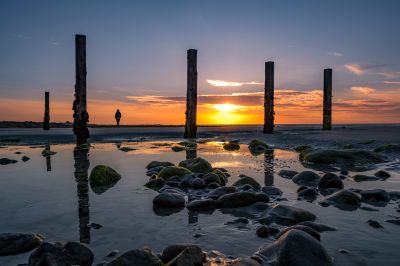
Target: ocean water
(52,196)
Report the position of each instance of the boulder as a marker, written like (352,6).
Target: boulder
(382,174)
(197,165)
(318,227)
(307,193)
(375,195)
(177,148)
(257,147)
(346,157)
(61,254)
(136,257)
(202,205)
(289,174)
(153,164)
(295,248)
(155,183)
(343,199)
(231,146)
(285,214)
(362,178)
(241,199)
(218,192)
(213,178)
(191,255)
(102,178)
(5,161)
(266,231)
(170,171)
(247,180)
(330,180)
(172,251)
(306,178)
(17,243)
(312,232)
(197,183)
(271,191)
(169,200)
(25,158)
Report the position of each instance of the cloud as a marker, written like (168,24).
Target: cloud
(363,90)
(361,69)
(389,75)
(223,83)
(391,82)
(336,54)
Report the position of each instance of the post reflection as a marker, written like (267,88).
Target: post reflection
(82,163)
(191,153)
(47,154)
(269,168)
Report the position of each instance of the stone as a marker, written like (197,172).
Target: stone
(218,192)
(172,251)
(241,199)
(247,180)
(61,254)
(102,178)
(197,165)
(25,158)
(285,214)
(5,161)
(231,146)
(192,255)
(318,227)
(271,191)
(306,178)
(343,199)
(170,171)
(127,149)
(247,261)
(311,231)
(345,157)
(213,178)
(289,174)
(197,183)
(362,178)
(266,231)
(155,183)
(17,243)
(375,195)
(374,223)
(382,174)
(308,193)
(393,221)
(294,248)
(202,205)
(257,147)
(47,153)
(213,185)
(169,200)
(388,148)
(330,180)
(153,164)
(137,257)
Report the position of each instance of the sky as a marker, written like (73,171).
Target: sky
(136,59)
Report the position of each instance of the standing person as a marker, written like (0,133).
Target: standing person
(118,116)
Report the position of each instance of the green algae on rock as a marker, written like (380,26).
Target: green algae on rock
(170,171)
(102,178)
(197,165)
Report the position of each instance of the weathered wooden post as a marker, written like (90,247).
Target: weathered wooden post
(191,95)
(327,109)
(269,98)
(81,116)
(46,119)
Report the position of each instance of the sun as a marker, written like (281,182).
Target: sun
(226,107)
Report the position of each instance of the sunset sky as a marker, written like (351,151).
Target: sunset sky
(136,59)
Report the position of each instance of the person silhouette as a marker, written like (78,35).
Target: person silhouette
(118,116)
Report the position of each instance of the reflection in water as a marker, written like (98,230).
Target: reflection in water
(81,158)
(48,158)
(269,168)
(191,153)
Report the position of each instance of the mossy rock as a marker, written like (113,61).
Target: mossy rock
(177,148)
(102,178)
(197,165)
(302,148)
(247,180)
(127,149)
(83,147)
(347,157)
(153,164)
(188,144)
(257,147)
(343,199)
(231,146)
(170,171)
(47,153)
(388,148)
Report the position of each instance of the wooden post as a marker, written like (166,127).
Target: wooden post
(327,109)
(81,116)
(46,119)
(269,98)
(191,95)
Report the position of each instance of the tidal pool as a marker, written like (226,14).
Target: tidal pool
(52,196)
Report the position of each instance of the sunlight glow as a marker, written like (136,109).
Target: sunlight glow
(226,107)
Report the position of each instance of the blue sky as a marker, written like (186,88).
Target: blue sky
(137,48)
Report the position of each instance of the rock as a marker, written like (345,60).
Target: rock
(330,180)
(192,255)
(295,248)
(172,251)
(393,221)
(343,199)
(102,178)
(169,200)
(218,192)
(345,157)
(202,205)
(25,158)
(285,214)
(231,146)
(368,209)
(95,226)
(213,185)
(306,178)
(308,193)
(362,178)
(136,257)
(197,165)
(189,144)
(388,148)
(287,173)
(312,232)
(177,148)
(197,183)
(318,227)
(47,153)
(382,174)
(4,161)
(245,262)
(155,184)
(153,164)
(271,191)
(170,171)
(257,147)
(241,199)
(127,149)
(266,231)
(374,224)
(394,195)
(240,222)
(213,178)
(113,253)
(375,195)
(61,254)
(247,180)
(302,148)
(17,243)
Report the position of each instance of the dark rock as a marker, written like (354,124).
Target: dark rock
(136,257)
(218,192)
(312,232)
(343,199)
(308,193)
(102,178)
(374,224)
(394,221)
(285,214)
(302,148)
(112,253)
(247,180)
(330,180)
(382,174)
(239,222)
(5,161)
(245,262)
(306,178)
(25,158)
(60,254)
(266,231)
(155,183)
(344,172)
(202,205)
(344,157)
(169,200)
(271,191)
(154,164)
(213,185)
(197,183)
(177,148)
(47,153)
(241,199)
(231,146)
(16,243)
(192,255)
(318,227)
(197,165)
(394,195)
(213,178)
(172,251)
(295,248)
(375,195)
(173,171)
(287,173)
(388,148)
(257,147)
(362,178)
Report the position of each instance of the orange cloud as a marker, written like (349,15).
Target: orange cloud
(362,90)
(223,83)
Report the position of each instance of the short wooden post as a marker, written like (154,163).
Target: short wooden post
(327,109)
(81,116)
(46,119)
(191,95)
(269,98)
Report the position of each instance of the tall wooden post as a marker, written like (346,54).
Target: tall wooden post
(81,116)
(327,109)
(191,95)
(46,119)
(269,98)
